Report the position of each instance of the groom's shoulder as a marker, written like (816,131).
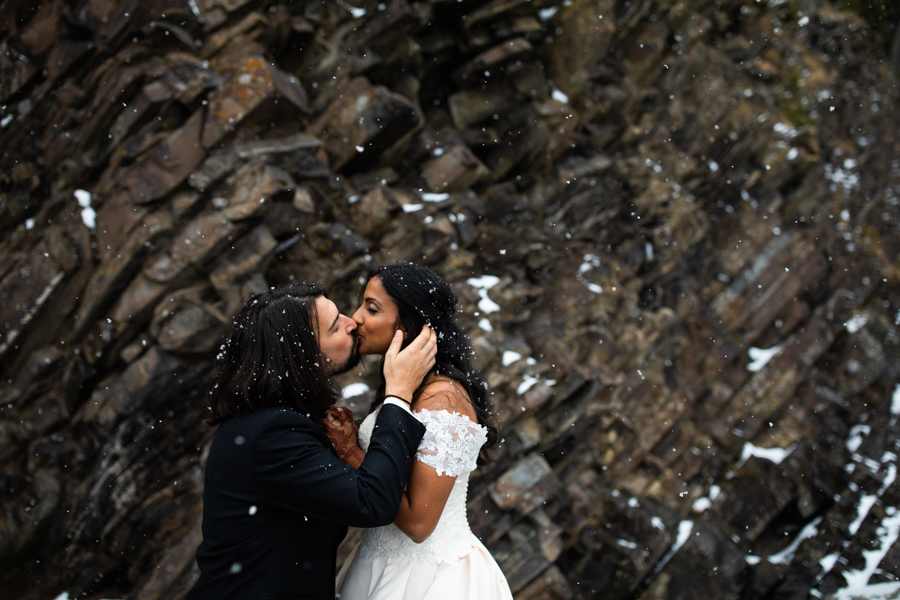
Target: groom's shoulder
(267,418)
(389,413)
(268,426)
(282,416)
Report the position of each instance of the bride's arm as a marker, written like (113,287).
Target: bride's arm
(423,502)
(427,492)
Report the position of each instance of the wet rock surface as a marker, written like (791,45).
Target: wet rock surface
(672,227)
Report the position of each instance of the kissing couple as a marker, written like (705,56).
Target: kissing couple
(288,471)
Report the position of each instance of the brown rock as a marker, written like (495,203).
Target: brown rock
(363,123)
(24,526)
(22,294)
(526,486)
(371,214)
(496,57)
(113,273)
(43,414)
(303,200)
(690,568)
(470,107)
(250,188)
(337,241)
(185,322)
(203,238)
(784,268)
(492,10)
(246,258)
(549,585)
(385,26)
(142,381)
(168,164)
(221,163)
(140,296)
(454,170)
(176,563)
(247,87)
(591,30)
(710,183)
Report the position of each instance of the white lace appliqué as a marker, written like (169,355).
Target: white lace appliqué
(451,443)
(450,446)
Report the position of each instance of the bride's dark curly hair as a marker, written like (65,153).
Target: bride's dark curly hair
(422,297)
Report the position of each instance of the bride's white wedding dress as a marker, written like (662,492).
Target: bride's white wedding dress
(452,563)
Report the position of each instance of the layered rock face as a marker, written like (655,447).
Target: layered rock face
(672,227)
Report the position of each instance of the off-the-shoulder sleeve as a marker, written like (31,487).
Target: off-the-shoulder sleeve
(451,443)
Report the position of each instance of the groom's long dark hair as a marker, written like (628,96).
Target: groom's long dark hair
(271,357)
(422,297)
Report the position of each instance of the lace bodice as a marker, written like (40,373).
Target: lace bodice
(450,446)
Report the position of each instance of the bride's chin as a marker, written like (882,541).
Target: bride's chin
(371,351)
(363,351)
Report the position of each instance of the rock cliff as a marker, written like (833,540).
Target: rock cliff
(672,226)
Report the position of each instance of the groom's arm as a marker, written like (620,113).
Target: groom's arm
(297,471)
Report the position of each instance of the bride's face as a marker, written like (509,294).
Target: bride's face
(376,319)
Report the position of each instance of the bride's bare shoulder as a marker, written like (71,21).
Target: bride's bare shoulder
(443,393)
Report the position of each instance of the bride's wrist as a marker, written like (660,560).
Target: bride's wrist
(353,456)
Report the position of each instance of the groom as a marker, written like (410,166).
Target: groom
(277,501)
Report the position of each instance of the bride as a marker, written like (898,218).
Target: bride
(429,552)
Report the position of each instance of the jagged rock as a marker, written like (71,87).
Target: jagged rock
(470,107)
(454,170)
(370,214)
(168,164)
(112,273)
(23,293)
(42,415)
(248,87)
(550,585)
(619,557)
(175,569)
(141,295)
(580,167)
(24,524)
(689,209)
(185,323)
(143,380)
(219,164)
(365,122)
(526,486)
(338,241)
(496,57)
(385,26)
(591,28)
(246,258)
(523,560)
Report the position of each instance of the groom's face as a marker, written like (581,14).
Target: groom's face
(336,335)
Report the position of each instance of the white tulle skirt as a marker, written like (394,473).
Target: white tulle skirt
(473,576)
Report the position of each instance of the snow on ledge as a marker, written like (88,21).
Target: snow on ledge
(776,455)
(354,389)
(761,357)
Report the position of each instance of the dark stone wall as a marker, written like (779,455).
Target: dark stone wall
(634,199)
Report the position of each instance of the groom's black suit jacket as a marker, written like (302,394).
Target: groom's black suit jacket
(277,502)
